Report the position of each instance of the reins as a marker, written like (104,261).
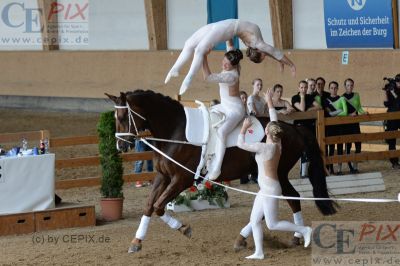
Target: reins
(131,121)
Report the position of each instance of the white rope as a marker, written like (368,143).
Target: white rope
(175,141)
(266,195)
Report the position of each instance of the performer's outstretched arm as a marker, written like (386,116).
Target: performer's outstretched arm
(271,109)
(276,54)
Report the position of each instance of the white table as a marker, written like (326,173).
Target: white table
(27,183)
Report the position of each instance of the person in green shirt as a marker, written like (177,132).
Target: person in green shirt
(354,108)
(335,105)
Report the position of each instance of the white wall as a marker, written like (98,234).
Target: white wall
(184,17)
(308,24)
(11,38)
(116,25)
(256,11)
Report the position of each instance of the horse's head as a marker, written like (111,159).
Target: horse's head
(128,121)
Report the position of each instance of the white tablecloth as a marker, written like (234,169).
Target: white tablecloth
(27,183)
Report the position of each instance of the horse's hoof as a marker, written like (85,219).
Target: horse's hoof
(295,242)
(135,248)
(240,244)
(186,230)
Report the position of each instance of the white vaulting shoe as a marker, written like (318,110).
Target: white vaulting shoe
(171,74)
(255,257)
(307,236)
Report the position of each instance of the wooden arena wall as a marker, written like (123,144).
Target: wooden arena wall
(90,74)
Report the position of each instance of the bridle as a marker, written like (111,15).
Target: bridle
(131,121)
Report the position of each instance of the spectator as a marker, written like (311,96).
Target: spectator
(353,109)
(281,106)
(304,102)
(141,147)
(243,97)
(311,86)
(253,176)
(321,94)
(335,106)
(255,103)
(392,102)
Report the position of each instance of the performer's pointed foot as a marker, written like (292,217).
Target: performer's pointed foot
(307,236)
(171,73)
(185,85)
(183,88)
(256,257)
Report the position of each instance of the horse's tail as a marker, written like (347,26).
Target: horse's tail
(317,176)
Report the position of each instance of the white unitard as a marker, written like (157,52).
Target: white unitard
(210,35)
(234,111)
(265,206)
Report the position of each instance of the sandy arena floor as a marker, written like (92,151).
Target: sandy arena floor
(213,231)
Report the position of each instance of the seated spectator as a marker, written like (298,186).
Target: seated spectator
(335,106)
(303,102)
(256,105)
(281,106)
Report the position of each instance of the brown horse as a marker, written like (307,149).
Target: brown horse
(165,118)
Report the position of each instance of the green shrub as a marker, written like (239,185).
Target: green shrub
(111,162)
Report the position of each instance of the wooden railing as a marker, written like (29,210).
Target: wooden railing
(81,161)
(321,123)
(363,137)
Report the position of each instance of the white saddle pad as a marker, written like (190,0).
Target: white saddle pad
(199,131)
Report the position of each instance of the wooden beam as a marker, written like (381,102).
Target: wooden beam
(340,120)
(363,137)
(49,33)
(282,23)
(395,24)
(364,156)
(95,160)
(96,181)
(156,17)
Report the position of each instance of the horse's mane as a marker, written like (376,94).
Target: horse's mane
(158,96)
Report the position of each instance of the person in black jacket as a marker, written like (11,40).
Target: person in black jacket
(392,102)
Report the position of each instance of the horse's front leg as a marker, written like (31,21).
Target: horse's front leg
(176,186)
(158,187)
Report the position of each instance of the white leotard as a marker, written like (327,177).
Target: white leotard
(233,109)
(265,206)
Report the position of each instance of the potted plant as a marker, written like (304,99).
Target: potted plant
(112,169)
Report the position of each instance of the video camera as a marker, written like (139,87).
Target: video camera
(390,83)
